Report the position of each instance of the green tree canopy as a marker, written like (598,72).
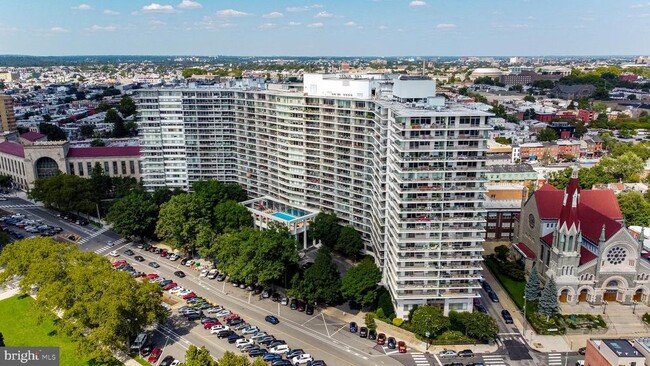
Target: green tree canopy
(530,98)
(101,309)
(179,221)
(64,192)
(360,283)
(548,304)
(326,228)
(322,280)
(87,130)
(126,106)
(195,356)
(547,134)
(532,286)
(627,167)
(428,319)
(53,132)
(231,215)
(134,214)
(503,140)
(349,242)
(635,209)
(480,326)
(119,129)
(193,71)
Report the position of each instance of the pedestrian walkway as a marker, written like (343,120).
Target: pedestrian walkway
(26,205)
(511,337)
(494,360)
(554,359)
(94,234)
(420,359)
(107,248)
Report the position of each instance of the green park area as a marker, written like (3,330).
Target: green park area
(20,326)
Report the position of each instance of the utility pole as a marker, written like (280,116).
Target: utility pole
(525,321)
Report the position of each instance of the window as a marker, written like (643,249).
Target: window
(72,168)
(132,166)
(81,169)
(106,170)
(616,255)
(115,168)
(123,167)
(89,166)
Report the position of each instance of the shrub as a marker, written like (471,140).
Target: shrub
(398,322)
(380,314)
(451,335)
(646,318)
(370,321)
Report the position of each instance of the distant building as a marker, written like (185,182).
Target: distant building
(587,115)
(9,76)
(628,76)
(573,91)
(564,130)
(518,173)
(503,204)
(7,116)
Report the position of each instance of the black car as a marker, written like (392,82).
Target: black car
(391,343)
(146,350)
(128,252)
(233,338)
(193,316)
(294,352)
(180,274)
(272,319)
(232,323)
(184,260)
(206,319)
(582,350)
(154,265)
(506,316)
(258,290)
(167,361)
(275,297)
(225,334)
(257,352)
(293,304)
(221,277)
(493,296)
(465,353)
(309,310)
(139,258)
(363,332)
(372,335)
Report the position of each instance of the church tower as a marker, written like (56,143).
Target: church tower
(567,237)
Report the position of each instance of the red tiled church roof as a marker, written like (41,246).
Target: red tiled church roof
(32,136)
(570,203)
(525,250)
(103,151)
(586,256)
(602,200)
(12,148)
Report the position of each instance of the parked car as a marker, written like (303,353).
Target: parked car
(493,296)
(257,352)
(466,353)
(302,359)
(505,314)
(167,361)
(381,339)
(294,304)
(128,252)
(270,357)
(113,253)
(353,327)
(391,343)
(212,274)
(401,347)
(221,277)
(188,296)
(280,348)
(139,258)
(294,352)
(363,332)
(154,355)
(146,350)
(448,354)
(224,333)
(309,310)
(154,265)
(180,274)
(272,319)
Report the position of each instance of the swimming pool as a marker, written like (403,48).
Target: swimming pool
(283,216)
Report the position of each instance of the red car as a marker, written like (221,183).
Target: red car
(210,324)
(231,317)
(381,339)
(191,295)
(119,263)
(151,276)
(154,355)
(170,286)
(401,347)
(163,253)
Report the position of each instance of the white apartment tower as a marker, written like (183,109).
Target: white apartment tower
(385,154)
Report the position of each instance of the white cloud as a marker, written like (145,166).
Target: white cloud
(275,14)
(382,27)
(350,24)
(211,23)
(58,30)
(293,24)
(189,4)
(446,26)
(156,23)
(157,8)
(324,14)
(267,26)
(636,6)
(7,29)
(111,12)
(315,25)
(231,13)
(296,9)
(98,28)
(82,7)
(416,3)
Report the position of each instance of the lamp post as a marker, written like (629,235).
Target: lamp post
(427,334)
(634,307)
(605,306)
(525,321)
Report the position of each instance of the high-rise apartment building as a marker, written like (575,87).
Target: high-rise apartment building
(7,116)
(385,154)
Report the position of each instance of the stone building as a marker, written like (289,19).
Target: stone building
(579,238)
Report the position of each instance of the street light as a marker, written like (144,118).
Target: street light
(525,316)
(605,306)
(634,307)
(427,334)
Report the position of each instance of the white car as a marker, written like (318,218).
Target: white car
(203,273)
(223,313)
(184,292)
(218,328)
(250,330)
(280,349)
(212,274)
(258,335)
(173,257)
(110,243)
(302,359)
(176,290)
(189,263)
(447,354)
(214,309)
(114,254)
(242,342)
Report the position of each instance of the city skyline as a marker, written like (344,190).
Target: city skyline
(375,27)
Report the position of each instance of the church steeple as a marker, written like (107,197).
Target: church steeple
(569,212)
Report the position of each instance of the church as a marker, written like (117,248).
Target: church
(579,238)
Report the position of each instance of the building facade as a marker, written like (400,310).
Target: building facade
(386,155)
(579,238)
(7,116)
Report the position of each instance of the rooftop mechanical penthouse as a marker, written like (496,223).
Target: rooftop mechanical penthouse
(384,153)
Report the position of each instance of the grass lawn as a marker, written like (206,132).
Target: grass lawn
(141,361)
(19,326)
(514,288)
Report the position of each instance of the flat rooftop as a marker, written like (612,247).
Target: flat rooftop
(621,347)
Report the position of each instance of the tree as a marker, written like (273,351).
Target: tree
(529,98)
(53,132)
(179,221)
(499,111)
(134,214)
(231,215)
(198,357)
(503,140)
(349,242)
(189,72)
(119,129)
(97,143)
(360,283)
(502,252)
(322,281)
(428,319)
(101,184)
(385,304)
(65,192)
(370,321)
(5,181)
(211,192)
(325,228)
(101,309)
(532,286)
(47,118)
(80,95)
(480,326)
(571,106)
(635,209)
(547,134)
(104,107)
(126,106)
(627,167)
(548,305)
(87,131)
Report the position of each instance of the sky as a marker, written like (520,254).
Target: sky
(325,28)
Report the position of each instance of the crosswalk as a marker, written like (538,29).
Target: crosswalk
(511,337)
(108,248)
(493,360)
(554,359)
(420,359)
(94,234)
(26,205)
